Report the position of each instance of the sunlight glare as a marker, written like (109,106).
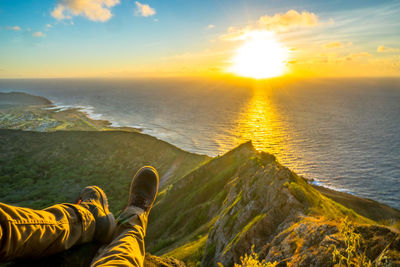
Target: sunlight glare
(261,56)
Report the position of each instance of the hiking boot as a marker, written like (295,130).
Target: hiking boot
(95,200)
(144,188)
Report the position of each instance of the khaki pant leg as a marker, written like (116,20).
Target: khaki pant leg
(28,233)
(127,247)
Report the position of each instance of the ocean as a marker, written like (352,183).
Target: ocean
(343,133)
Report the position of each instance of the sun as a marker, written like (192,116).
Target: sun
(261,56)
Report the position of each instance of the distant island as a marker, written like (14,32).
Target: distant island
(209,212)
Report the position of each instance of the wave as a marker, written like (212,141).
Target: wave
(329,186)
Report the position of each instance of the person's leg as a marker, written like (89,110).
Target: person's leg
(27,233)
(38,233)
(127,248)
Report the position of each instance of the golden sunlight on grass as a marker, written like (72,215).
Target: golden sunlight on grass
(261,56)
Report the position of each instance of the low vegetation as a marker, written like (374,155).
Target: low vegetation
(40,169)
(252,260)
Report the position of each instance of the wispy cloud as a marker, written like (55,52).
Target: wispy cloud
(211,26)
(15,28)
(358,55)
(333,45)
(144,10)
(11,28)
(95,10)
(38,34)
(384,49)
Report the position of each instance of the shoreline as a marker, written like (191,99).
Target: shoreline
(329,191)
(85,119)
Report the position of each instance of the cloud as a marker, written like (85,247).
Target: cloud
(288,20)
(336,58)
(95,10)
(12,28)
(38,34)
(383,49)
(235,34)
(357,56)
(333,45)
(210,26)
(144,10)
(48,26)
(279,22)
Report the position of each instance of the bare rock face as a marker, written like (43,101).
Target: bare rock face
(257,207)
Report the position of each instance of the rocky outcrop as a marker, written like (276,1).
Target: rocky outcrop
(311,243)
(257,207)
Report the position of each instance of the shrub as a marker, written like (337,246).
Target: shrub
(251,260)
(352,255)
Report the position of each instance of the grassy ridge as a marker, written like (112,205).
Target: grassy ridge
(40,169)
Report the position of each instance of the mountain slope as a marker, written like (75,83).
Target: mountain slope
(217,212)
(40,169)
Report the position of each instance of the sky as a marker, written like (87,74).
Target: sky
(126,38)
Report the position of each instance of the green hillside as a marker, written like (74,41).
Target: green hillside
(40,169)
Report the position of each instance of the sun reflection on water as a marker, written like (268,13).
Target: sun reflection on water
(262,123)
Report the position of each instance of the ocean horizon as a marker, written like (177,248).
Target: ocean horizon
(343,133)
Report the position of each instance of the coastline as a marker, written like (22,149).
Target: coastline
(48,117)
(58,117)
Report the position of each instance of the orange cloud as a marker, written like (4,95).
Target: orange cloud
(144,10)
(333,45)
(235,34)
(290,19)
(358,55)
(280,22)
(95,10)
(383,49)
